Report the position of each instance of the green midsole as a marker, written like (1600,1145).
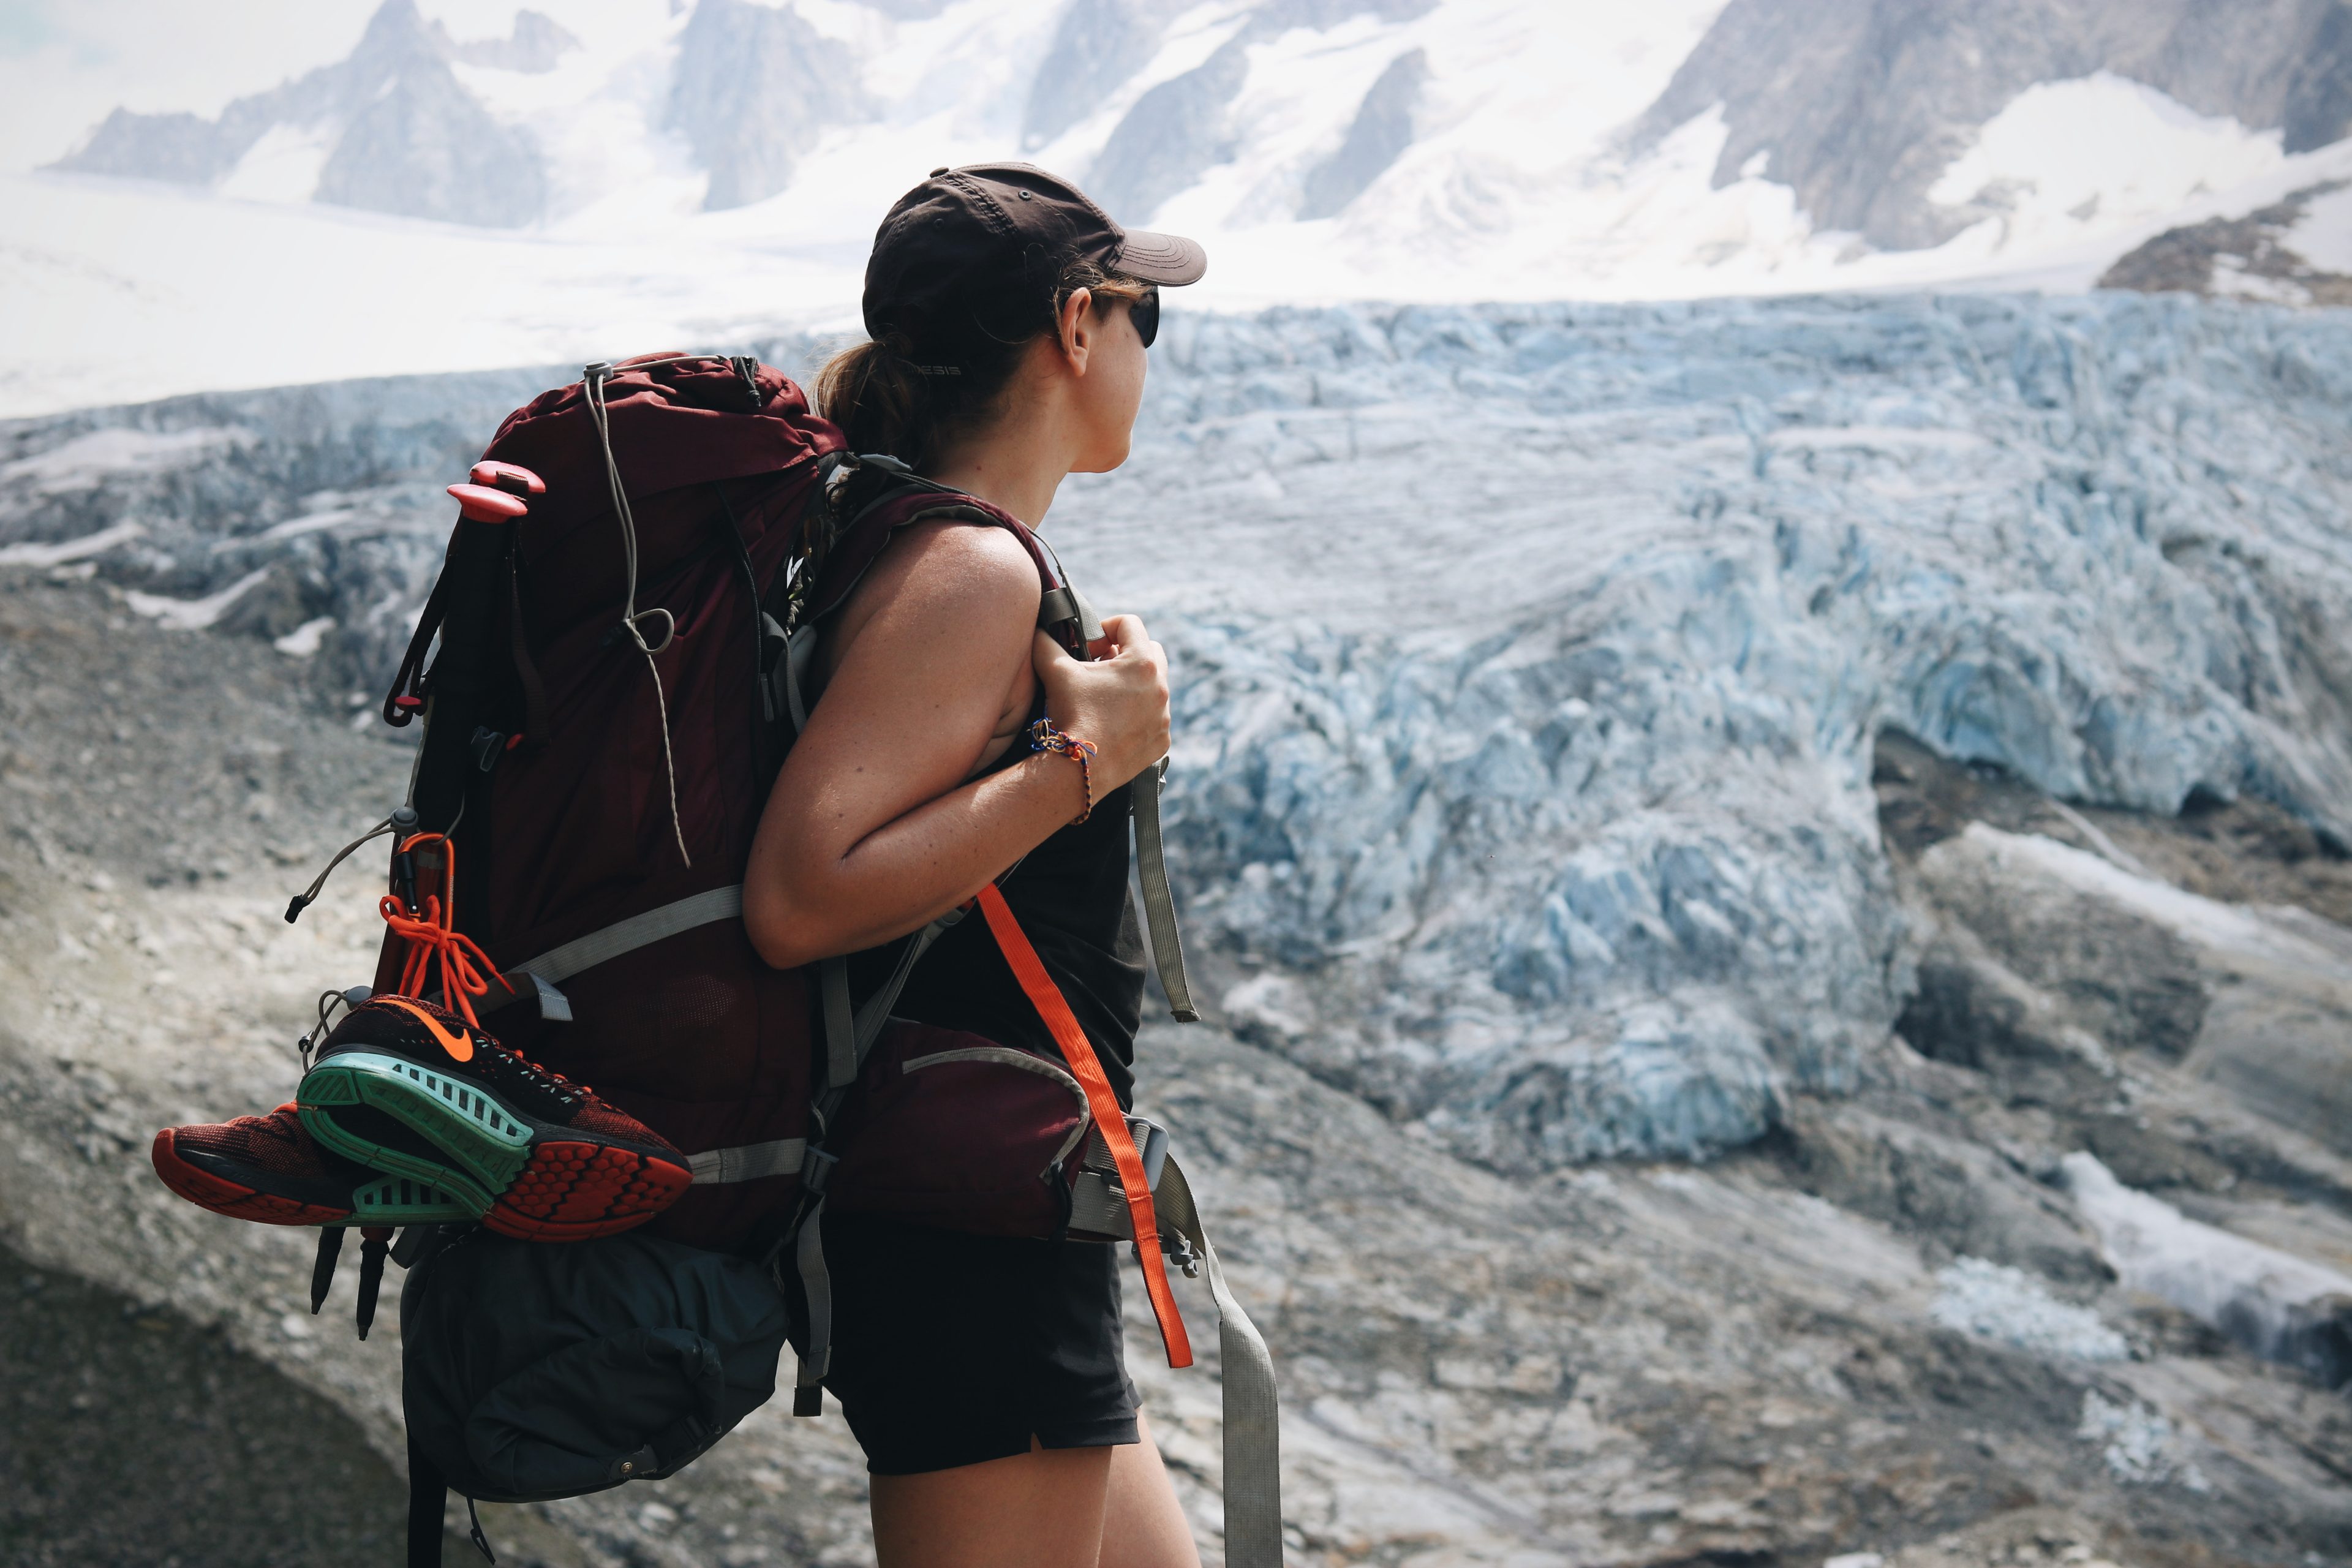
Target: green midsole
(406,1200)
(484,1146)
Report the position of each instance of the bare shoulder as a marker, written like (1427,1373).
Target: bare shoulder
(973,557)
(934,565)
(963,579)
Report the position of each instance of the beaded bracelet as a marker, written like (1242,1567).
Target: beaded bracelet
(1045,735)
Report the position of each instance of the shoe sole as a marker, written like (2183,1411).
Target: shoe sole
(550,1187)
(389,1200)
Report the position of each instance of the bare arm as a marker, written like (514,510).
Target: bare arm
(876,826)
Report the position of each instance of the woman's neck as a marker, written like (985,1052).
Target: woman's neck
(1027,494)
(1015,463)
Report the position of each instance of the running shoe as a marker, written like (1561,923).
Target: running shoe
(267,1169)
(409,1089)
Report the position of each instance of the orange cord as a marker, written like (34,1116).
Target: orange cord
(431,938)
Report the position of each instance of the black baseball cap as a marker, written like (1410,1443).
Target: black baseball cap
(981,249)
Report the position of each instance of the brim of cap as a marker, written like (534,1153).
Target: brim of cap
(1162,258)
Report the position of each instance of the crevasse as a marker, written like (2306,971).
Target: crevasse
(1529,658)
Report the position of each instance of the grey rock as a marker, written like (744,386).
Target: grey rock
(1380,133)
(1176,131)
(421,146)
(1945,1188)
(1861,104)
(408,138)
(1974,1011)
(1097,45)
(534,46)
(183,149)
(2122,977)
(232,1455)
(2318,107)
(1180,129)
(1275,15)
(2256,243)
(753,87)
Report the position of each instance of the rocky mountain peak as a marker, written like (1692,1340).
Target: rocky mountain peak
(753,87)
(1862,105)
(534,47)
(391,127)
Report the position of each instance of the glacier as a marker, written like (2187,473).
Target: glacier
(1529,659)
(1532,660)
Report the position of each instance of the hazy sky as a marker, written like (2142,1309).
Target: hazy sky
(65,63)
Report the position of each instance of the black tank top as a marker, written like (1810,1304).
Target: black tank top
(1070,895)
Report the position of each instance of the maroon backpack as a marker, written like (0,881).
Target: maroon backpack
(616,641)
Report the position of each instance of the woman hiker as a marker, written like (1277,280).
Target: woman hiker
(983,1375)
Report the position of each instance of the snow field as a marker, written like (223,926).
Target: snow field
(1517,185)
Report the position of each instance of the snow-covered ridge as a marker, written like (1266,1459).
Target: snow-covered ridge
(1530,659)
(623,165)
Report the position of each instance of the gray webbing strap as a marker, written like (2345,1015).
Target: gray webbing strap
(1159,903)
(876,1011)
(1056,605)
(638,930)
(1253,1429)
(1253,1438)
(773,666)
(851,1036)
(1098,1207)
(847,1038)
(799,654)
(816,1287)
(840,1028)
(748,1162)
(626,936)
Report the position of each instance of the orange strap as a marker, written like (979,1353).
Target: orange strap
(1110,1121)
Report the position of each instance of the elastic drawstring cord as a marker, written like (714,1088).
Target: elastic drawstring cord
(592,379)
(309,894)
(432,940)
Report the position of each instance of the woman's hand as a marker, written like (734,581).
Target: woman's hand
(1117,704)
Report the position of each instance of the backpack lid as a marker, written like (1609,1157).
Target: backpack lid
(692,421)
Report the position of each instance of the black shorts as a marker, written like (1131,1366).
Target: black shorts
(950,1349)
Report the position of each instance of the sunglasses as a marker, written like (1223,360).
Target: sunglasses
(1145,314)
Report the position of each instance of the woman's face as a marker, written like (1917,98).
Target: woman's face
(1110,386)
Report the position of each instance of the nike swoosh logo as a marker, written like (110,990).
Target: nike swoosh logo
(460,1045)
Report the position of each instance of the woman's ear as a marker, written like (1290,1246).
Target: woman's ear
(1076,325)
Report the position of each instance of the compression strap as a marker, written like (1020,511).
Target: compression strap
(1079,1053)
(1159,903)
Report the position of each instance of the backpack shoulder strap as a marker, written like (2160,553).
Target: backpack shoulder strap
(1063,614)
(913,500)
(1158,901)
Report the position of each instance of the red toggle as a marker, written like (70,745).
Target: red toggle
(512,478)
(484,505)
